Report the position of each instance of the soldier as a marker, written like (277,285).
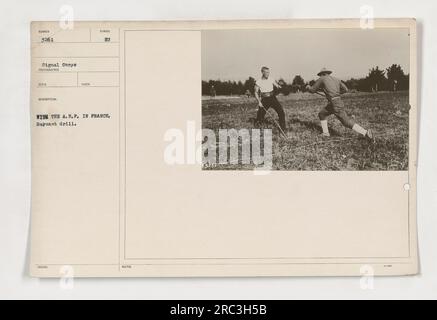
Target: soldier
(265,95)
(333,88)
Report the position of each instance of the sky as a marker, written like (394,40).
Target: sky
(349,53)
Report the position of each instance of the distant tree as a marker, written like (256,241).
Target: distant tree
(298,84)
(213,93)
(405,83)
(240,88)
(391,78)
(249,84)
(219,87)
(363,85)
(353,84)
(284,87)
(310,83)
(396,77)
(206,88)
(376,79)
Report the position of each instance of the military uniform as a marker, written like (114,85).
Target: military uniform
(333,88)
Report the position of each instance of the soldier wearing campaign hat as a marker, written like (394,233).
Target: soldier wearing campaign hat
(333,88)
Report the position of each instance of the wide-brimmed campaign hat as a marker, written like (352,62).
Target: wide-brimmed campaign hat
(324,70)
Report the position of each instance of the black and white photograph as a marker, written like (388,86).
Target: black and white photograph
(220,159)
(330,99)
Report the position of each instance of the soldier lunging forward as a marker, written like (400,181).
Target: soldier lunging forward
(333,88)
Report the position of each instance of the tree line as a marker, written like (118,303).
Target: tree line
(392,78)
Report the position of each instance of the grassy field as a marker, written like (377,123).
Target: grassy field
(386,113)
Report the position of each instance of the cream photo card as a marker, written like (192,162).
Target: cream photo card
(224,148)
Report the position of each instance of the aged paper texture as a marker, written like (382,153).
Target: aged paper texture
(130,177)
